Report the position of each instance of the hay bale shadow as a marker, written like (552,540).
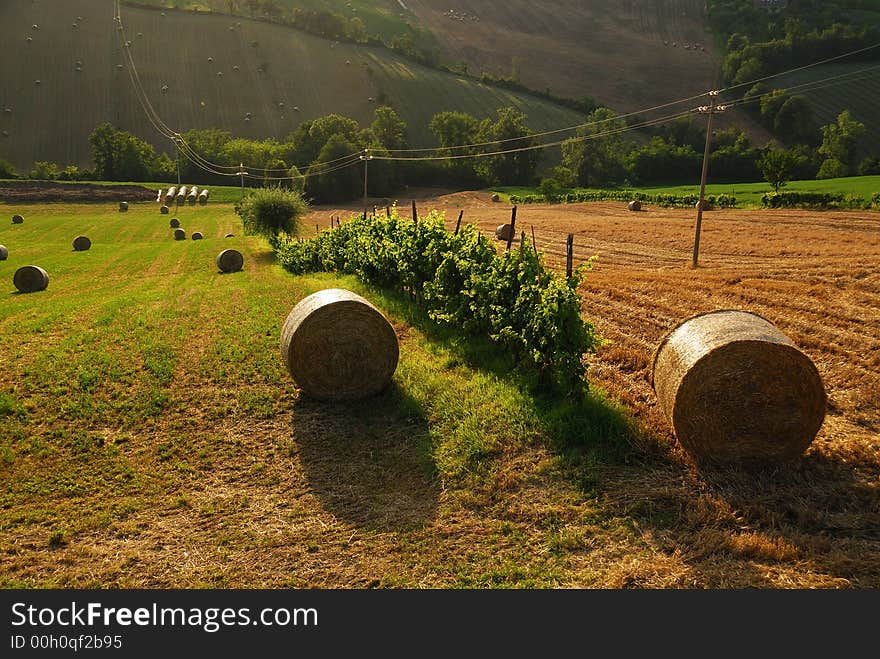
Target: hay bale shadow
(369,462)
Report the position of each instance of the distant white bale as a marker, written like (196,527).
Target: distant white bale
(193,195)
(203,196)
(160,196)
(171,192)
(182,191)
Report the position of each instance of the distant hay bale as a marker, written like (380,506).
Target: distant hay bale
(172,191)
(495,197)
(4,253)
(123,206)
(30,279)
(81,243)
(179,234)
(635,205)
(736,389)
(164,210)
(174,223)
(337,346)
(193,195)
(17,219)
(230,260)
(229,235)
(159,196)
(504,232)
(706,205)
(197,235)
(182,192)
(203,196)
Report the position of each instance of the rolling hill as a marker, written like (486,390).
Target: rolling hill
(203,70)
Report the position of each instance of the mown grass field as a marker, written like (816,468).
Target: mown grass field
(152,437)
(748,195)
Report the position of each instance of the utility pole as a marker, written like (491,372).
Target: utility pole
(365,156)
(242,174)
(710,109)
(177,146)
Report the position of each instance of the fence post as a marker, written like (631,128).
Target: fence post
(458,224)
(317,230)
(534,243)
(415,215)
(388,211)
(512,227)
(569,253)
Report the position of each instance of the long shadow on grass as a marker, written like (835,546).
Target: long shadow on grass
(369,461)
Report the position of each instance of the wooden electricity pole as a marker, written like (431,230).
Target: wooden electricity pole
(710,110)
(365,156)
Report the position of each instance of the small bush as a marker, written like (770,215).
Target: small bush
(44,171)
(6,169)
(271,211)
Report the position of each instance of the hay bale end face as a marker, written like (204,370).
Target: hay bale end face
(81,243)
(164,210)
(30,279)
(197,235)
(123,206)
(337,346)
(229,235)
(174,223)
(230,260)
(17,219)
(737,390)
(504,232)
(495,197)
(179,234)
(635,205)
(706,205)
(4,253)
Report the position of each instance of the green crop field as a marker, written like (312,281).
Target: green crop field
(263,66)
(748,195)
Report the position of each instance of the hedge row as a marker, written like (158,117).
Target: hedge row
(818,200)
(461,280)
(661,199)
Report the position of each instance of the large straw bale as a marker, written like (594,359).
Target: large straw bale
(635,205)
(338,346)
(164,210)
(736,389)
(17,219)
(81,243)
(174,223)
(197,235)
(30,279)
(503,232)
(4,253)
(123,206)
(230,260)
(179,234)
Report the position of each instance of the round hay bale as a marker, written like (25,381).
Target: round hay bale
(197,235)
(30,279)
(230,260)
(123,206)
(495,197)
(229,235)
(503,232)
(174,223)
(4,253)
(736,389)
(17,219)
(164,210)
(635,205)
(179,234)
(337,346)
(706,205)
(81,244)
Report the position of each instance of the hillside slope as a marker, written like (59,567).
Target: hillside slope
(217,69)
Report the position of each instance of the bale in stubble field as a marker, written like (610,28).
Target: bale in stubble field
(4,253)
(203,197)
(81,243)
(197,235)
(164,210)
(174,223)
(503,232)
(635,205)
(179,234)
(30,279)
(736,389)
(17,219)
(337,346)
(230,260)
(123,206)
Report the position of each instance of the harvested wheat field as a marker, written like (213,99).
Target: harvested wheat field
(816,276)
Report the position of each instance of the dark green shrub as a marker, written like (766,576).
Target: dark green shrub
(271,211)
